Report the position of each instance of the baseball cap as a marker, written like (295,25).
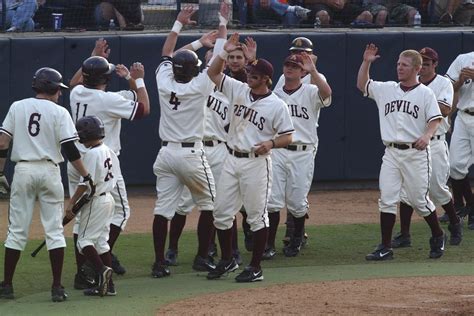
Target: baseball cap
(261,66)
(429,53)
(294,59)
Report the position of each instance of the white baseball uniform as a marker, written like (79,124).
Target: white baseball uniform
(246,178)
(293,166)
(462,140)
(38,127)
(439,190)
(305,80)
(111,108)
(181,160)
(217,117)
(95,216)
(403,117)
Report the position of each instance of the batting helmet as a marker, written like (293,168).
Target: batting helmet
(96,70)
(185,65)
(47,80)
(90,128)
(301,44)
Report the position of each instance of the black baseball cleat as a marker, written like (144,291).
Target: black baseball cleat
(223,267)
(269,253)
(116,266)
(58,294)
(159,270)
(437,245)
(171,257)
(95,291)
(380,253)
(82,281)
(456,232)
(401,241)
(203,264)
(293,247)
(6,291)
(104,279)
(250,274)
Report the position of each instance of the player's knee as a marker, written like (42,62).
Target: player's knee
(390,208)
(223,221)
(274,209)
(457,171)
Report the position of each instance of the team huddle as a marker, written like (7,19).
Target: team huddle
(244,148)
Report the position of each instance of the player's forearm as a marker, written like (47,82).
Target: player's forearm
(171,40)
(325,90)
(432,127)
(215,69)
(283,141)
(142,96)
(4,145)
(363,76)
(76,79)
(81,189)
(445,110)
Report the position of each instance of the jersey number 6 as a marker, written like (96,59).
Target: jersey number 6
(34,125)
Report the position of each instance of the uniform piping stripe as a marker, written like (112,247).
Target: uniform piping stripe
(287,132)
(207,175)
(162,63)
(135,96)
(6,132)
(266,192)
(450,78)
(134,111)
(444,103)
(366,92)
(88,217)
(434,118)
(123,207)
(428,182)
(65,140)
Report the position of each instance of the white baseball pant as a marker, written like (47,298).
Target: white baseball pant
(462,146)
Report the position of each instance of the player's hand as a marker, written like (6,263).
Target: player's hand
(121,71)
(184,16)
(137,70)
(263,147)
(308,64)
(69,215)
(208,39)
(467,73)
(422,142)
(101,48)
(250,49)
(232,43)
(370,53)
(225,9)
(4,186)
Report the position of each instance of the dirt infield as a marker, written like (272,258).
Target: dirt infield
(398,296)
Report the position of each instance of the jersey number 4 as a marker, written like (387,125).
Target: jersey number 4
(174,101)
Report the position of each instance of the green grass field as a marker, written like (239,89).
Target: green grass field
(335,252)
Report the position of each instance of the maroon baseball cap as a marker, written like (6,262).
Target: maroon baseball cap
(429,53)
(261,66)
(295,59)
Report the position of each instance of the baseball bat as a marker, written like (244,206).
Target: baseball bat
(75,209)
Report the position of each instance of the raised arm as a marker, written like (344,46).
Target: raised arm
(370,55)
(101,48)
(183,18)
(215,69)
(309,65)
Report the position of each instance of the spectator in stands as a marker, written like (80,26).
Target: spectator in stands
(452,11)
(400,12)
(289,13)
(19,15)
(339,12)
(127,14)
(379,12)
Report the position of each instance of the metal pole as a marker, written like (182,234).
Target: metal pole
(4,14)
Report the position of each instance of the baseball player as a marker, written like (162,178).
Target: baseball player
(293,165)
(409,116)
(259,122)
(461,74)
(298,45)
(95,216)
(183,91)
(215,134)
(439,191)
(40,129)
(88,97)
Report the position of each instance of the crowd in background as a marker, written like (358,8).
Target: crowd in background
(28,15)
